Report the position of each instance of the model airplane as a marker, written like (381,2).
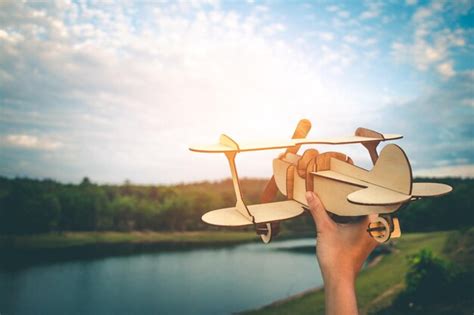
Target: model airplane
(345,189)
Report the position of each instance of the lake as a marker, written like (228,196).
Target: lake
(194,281)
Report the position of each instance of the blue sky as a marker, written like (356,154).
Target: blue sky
(119,91)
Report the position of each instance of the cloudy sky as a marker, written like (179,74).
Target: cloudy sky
(119,91)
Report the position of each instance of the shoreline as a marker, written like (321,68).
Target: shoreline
(68,239)
(24,251)
(19,252)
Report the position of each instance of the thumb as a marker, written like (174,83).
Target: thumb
(320,216)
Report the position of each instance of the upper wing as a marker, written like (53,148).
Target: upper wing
(263,213)
(348,139)
(242,147)
(233,146)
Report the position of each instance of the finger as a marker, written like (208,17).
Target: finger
(372,216)
(371,242)
(320,216)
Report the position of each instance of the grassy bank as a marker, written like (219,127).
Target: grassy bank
(376,286)
(18,252)
(74,239)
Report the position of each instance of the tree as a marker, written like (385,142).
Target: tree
(25,210)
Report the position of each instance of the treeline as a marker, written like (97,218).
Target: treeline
(452,211)
(35,206)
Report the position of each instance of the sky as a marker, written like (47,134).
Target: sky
(119,91)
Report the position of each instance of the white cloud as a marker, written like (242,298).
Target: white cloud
(274,29)
(326,36)
(443,119)
(262,8)
(338,58)
(358,40)
(374,9)
(127,88)
(351,39)
(369,41)
(332,8)
(446,69)
(344,14)
(132,99)
(411,2)
(433,40)
(29,142)
(468,102)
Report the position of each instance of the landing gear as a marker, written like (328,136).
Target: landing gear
(384,227)
(267,231)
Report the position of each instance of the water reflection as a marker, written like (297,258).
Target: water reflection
(193,281)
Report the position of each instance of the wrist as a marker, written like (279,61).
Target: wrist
(339,276)
(340,297)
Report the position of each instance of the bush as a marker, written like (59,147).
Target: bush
(432,281)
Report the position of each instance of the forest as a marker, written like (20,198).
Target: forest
(29,206)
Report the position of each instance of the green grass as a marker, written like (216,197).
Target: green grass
(72,239)
(376,286)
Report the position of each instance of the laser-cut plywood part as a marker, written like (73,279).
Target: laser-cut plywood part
(302,129)
(384,228)
(262,213)
(370,146)
(226,146)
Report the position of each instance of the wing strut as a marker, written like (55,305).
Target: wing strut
(240,205)
(370,146)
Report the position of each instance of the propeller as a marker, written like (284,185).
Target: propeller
(267,230)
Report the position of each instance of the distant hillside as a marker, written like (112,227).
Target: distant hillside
(453,211)
(35,206)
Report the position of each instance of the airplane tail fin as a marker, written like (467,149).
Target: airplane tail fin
(392,170)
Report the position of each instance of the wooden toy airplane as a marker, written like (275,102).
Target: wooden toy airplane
(345,190)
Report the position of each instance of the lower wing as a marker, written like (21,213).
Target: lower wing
(263,213)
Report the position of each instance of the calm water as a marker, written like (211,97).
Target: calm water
(198,281)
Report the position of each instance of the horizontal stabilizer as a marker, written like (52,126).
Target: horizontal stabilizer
(430,189)
(263,213)
(375,195)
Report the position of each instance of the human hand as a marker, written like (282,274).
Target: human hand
(341,250)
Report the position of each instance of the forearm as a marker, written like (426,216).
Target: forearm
(341,250)
(340,296)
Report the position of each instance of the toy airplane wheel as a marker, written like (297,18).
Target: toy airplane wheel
(267,231)
(380,229)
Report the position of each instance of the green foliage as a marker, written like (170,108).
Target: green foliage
(433,284)
(427,278)
(460,248)
(32,206)
(449,212)
(35,210)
